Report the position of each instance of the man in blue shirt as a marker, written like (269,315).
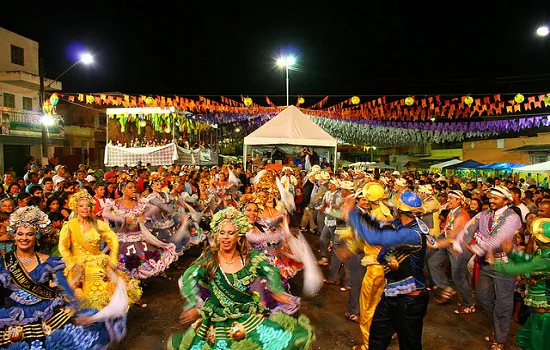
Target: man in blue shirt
(405,302)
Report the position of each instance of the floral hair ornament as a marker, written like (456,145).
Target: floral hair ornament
(29,216)
(124,184)
(230,215)
(79,196)
(250,198)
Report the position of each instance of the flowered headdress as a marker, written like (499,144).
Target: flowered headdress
(233,216)
(268,183)
(29,216)
(250,198)
(124,184)
(77,197)
(156,177)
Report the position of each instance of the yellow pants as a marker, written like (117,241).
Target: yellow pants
(372,289)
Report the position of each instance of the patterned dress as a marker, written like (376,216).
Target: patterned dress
(42,321)
(233,317)
(141,255)
(80,248)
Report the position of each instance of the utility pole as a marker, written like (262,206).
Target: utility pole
(42,99)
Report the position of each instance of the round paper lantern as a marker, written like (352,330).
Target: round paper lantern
(468,100)
(143,123)
(409,101)
(54,99)
(149,100)
(247,101)
(519,98)
(355,100)
(301,100)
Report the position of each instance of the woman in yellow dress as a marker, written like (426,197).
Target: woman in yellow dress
(79,245)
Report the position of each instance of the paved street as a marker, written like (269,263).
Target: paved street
(149,328)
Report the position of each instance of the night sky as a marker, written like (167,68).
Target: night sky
(342,47)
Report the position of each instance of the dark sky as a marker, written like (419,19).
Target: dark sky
(343,47)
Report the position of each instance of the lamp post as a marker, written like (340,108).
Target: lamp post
(286,62)
(86,59)
(372,153)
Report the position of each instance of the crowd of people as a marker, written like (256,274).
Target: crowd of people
(82,246)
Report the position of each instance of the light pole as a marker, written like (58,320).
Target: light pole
(372,153)
(86,59)
(286,62)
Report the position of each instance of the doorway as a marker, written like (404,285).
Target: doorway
(16,156)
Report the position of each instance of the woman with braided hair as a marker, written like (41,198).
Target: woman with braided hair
(79,246)
(233,317)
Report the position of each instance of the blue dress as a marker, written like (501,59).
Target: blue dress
(28,321)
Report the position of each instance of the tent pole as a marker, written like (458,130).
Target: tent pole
(244,156)
(335,157)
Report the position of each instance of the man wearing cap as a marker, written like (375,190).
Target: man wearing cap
(288,180)
(456,220)
(535,333)
(405,301)
(60,174)
(370,204)
(483,233)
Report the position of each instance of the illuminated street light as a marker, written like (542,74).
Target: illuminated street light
(543,31)
(286,62)
(86,58)
(47,120)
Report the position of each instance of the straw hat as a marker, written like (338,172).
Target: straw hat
(541,230)
(426,189)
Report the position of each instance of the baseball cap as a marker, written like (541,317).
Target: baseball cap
(109,175)
(57,167)
(90,178)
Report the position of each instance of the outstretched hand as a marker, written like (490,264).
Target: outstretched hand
(282,298)
(189,316)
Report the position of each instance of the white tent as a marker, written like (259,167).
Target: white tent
(442,165)
(534,168)
(290,127)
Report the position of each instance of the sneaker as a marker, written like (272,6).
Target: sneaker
(463,310)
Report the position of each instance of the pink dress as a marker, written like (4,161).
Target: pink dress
(141,254)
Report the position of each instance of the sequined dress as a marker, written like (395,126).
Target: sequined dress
(141,254)
(80,250)
(233,317)
(28,321)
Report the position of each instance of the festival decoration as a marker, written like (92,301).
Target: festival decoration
(355,100)
(47,107)
(409,101)
(247,101)
(54,99)
(547,100)
(149,101)
(519,98)
(468,100)
(301,100)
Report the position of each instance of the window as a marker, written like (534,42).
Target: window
(9,100)
(17,55)
(27,103)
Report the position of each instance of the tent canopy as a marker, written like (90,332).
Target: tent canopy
(501,166)
(291,127)
(535,168)
(445,164)
(469,164)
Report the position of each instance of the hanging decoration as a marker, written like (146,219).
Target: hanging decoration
(54,99)
(247,101)
(519,98)
(301,100)
(409,101)
(149,101)
(547,100)
(48,107)
(468,100)
(355,100)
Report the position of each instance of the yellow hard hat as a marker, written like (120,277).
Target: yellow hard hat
(373,191)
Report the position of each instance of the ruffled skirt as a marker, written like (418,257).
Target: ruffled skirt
(143,260)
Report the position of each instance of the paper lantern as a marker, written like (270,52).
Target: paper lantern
(47,107)
(469,100)
(355,100)
(519,98)
(301,100)
(409,101)
(149,100)
(247,101)
(54,99)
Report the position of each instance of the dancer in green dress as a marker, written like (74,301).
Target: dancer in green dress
(233,317)
(535,334)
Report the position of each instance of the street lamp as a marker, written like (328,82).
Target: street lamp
(372,154)
(543,31)
(85,58)
(286,62)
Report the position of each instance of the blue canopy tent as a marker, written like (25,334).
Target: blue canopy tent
(468,164)
(501,166)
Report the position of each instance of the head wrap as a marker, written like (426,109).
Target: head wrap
(456,194)
(501,191)
(29,216)
(233,216)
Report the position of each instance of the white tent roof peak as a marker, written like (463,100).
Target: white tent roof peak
(291,127)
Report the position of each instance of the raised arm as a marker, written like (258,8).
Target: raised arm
(274,283)
(383,237)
